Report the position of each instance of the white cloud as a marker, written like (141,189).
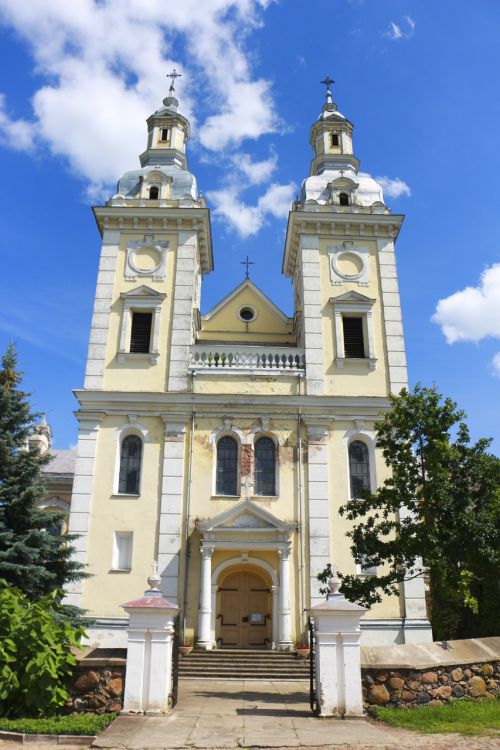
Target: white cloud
(394,188)
(105,61)
(404,30)
(16,134)
(256,171)
(473,313)
(246,219)
(496,364)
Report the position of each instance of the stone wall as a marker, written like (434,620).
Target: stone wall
(98,686)
(401,688)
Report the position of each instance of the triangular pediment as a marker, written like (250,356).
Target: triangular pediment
(353,297)
(246,516)
(246,292)
(143,291)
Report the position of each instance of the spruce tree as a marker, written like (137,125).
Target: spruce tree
(31,558)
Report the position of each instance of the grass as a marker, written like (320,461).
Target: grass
(463,717)
(77,724)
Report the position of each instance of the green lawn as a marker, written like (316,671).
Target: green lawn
(464,717)
(77,724)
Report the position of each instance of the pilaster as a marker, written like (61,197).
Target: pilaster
(311,304)
(182,317)
(318,502)
(81,499)
(391,306)
(171,504)
(98,339)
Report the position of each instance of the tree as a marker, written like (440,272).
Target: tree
(441,503)
(31,558)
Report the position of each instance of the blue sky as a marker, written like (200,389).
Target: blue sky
(417,79)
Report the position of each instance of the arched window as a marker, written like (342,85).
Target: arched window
(344,199)
(359,468)
(130,465)
(153,193)
(227,466)
(265,466)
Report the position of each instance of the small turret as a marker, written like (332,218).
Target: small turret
(331,138)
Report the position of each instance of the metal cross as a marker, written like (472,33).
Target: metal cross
(173,75)
(328,82)
(247,263)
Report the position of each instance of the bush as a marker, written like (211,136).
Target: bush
(36,663)
(81,724)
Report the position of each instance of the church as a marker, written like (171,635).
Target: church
(220,446)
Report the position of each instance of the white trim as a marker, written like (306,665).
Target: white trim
(252,310)
(250,285)
(355,305)
(238,436)
(55,502)
(134,428)
(141,299)
(257,435)
(368,438)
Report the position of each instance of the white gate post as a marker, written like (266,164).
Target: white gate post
(148,679)
(337,653)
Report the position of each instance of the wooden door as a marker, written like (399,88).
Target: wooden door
(245,612)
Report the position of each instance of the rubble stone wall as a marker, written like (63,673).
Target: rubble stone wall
(98,686)
(401,688)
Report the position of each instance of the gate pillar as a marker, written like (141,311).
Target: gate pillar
(337,653)
(148,679)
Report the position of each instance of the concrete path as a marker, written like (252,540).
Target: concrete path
(249,714)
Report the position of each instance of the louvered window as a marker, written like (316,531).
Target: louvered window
(354,345)
(265,467)
(130,465)
(227,466)
(359,468)
(140,337)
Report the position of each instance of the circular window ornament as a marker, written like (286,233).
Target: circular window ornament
(348,265)
(145,260)
(247,314)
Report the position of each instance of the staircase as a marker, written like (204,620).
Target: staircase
(239,664)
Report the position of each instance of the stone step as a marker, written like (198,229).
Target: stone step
(239,664)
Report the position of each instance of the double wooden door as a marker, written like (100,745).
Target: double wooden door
(244,612)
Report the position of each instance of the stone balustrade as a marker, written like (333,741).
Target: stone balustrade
(234,358)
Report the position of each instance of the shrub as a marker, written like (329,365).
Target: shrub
(36,662)
(81,724)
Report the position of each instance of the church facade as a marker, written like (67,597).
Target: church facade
(222,445)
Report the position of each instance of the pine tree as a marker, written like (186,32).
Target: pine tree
(31,558)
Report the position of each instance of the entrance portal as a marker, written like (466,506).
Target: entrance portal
(244,619)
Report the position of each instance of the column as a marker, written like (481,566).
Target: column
(275,590)
(285,631)
(311,304)
(182,317)
(81,499)
(318,502)
(171,503)
(205,614)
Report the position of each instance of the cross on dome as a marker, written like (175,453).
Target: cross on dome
(173,75)
(328,82)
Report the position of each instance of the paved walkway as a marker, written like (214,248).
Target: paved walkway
(261,714)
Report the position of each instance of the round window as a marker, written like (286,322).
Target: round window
(247,314)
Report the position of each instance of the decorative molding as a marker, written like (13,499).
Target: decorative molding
(335,253)
(144,299)
(137,247)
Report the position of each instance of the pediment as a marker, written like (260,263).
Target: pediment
(143,291)
(246,516)
(352,296)
(344,182)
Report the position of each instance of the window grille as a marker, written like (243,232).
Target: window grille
(354,345)
(359,468)
(227,466)
(130,465)
(140,337)
(265,467)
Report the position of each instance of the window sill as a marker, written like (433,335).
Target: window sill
(369,362)
(125,496)
(120,570)
(225,497)
(256,498)
(150,357)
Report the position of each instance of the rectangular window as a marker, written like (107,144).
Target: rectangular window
(362,569)
(140,338)
(354,345)
(335,139)
(122,550)
(164,134)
